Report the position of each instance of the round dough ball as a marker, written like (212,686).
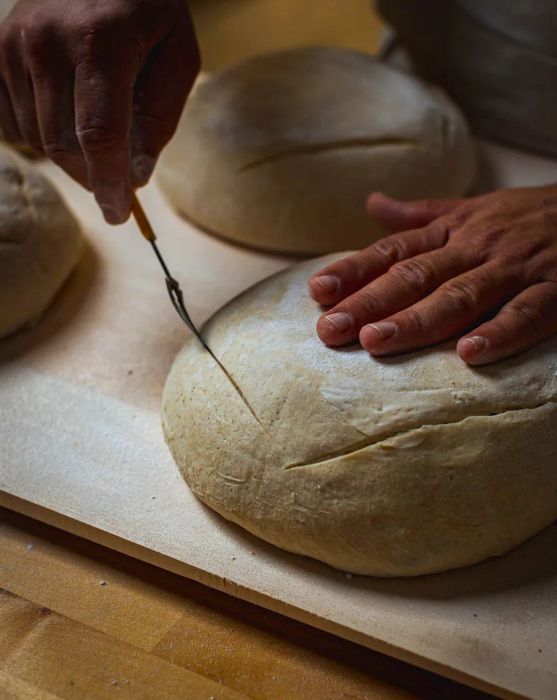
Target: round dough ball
(40,242)
(393,467)
(281,152)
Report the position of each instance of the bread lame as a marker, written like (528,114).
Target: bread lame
(177,298)
(172,285)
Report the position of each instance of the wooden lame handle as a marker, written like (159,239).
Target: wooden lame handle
(142,220)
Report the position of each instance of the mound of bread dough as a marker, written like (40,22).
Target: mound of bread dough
(40,242)
(281,152)
(393,467)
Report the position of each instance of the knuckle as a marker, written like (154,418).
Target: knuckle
(365,302)
(490,233)
(432,208)
(485,239)
(94,26)
(539,268)
(104,27)
(414,273)
(528,315)
(97,139)
(544,223)
(35,40)
(523,256)
(351,268)
(502,200)
(416,320)
(390,249)
(452,221)
(464,294)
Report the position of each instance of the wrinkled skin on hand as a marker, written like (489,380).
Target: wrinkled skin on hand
(98,86)
(483,268)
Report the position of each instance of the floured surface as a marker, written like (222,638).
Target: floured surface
(82,448)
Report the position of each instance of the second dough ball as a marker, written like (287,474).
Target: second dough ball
(280,152)
(40,243)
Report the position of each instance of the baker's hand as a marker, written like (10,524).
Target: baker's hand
(484,267)
(98,86)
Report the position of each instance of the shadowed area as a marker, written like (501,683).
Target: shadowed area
(62,310)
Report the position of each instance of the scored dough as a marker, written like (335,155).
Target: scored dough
(40,242)
(281,151)
(399,466)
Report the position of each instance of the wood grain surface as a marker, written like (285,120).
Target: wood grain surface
(79,620)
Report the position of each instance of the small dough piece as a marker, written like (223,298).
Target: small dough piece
(40,242)
(394,467)
(281,151)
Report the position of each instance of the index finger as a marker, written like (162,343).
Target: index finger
(344,277)
(103,111)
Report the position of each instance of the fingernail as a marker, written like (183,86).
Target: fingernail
(327,283)
(381,331)
(114,215)
(340,321)
(142,169)
(115,203)
(475,344)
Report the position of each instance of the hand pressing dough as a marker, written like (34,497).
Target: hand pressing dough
(40,242)
(281,151)
(393,467)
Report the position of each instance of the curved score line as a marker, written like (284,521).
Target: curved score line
(378,439)
(310,148)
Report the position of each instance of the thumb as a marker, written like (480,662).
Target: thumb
(396,216)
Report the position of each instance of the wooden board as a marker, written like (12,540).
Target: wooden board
(81,448)
(242,647)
